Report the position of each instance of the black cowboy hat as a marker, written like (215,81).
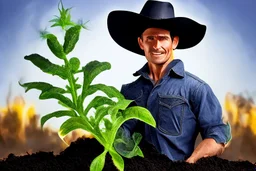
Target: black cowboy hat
(125,27)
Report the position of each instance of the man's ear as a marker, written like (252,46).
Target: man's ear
(140,43)
(175,42)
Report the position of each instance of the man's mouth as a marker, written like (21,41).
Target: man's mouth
(157,53)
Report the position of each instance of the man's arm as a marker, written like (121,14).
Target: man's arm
(208,147)
(214,132)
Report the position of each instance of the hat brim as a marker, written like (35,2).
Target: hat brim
(125,27)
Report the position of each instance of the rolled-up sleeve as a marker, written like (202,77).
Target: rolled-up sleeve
(209,114)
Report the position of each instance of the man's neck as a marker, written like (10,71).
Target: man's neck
(156,72)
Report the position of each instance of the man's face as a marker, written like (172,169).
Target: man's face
(158,45)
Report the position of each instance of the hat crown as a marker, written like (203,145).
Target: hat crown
(157,10)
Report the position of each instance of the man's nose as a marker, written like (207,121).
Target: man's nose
(156,44)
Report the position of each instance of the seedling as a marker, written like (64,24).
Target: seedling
(111,109)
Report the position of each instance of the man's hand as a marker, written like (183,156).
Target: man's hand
(208,147)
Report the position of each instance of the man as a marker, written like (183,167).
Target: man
(182,104)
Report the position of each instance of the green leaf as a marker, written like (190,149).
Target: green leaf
(46,66)
(58,96)
(58,24)
(57,114)
(120,105)
(135,112)
(55,19)
(77,86)
(71,38)
(127,146)
(139,152)
(98,101)
(65,18)
(74,64)
(49,92)
(107,123)
(41,86)
(55,46)
(99,162)
(101,111)
(117,160)
(68,88)
(80,104)
(64,105)
(110,91)
(89,91)
(140,113)
(91,70)
(137,137)
(75,123)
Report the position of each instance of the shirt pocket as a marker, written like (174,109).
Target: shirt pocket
(170,115)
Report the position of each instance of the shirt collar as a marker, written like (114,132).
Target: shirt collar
(175,67)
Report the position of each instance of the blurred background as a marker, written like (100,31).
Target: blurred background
(225,59)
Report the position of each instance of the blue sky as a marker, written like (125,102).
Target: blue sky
(225,59)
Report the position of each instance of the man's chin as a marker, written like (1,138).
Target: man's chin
(160,63)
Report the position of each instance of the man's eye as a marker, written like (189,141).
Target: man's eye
(163,38)
(150,37)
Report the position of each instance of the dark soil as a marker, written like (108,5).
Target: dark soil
(79,155)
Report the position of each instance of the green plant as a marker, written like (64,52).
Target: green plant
(111,110)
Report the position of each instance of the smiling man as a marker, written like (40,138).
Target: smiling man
(182,104)
(158,48)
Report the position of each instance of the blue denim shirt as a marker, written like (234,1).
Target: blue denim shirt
(182,105)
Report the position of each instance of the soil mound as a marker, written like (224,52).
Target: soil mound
(79,155)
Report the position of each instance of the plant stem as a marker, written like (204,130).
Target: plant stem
(71,81)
